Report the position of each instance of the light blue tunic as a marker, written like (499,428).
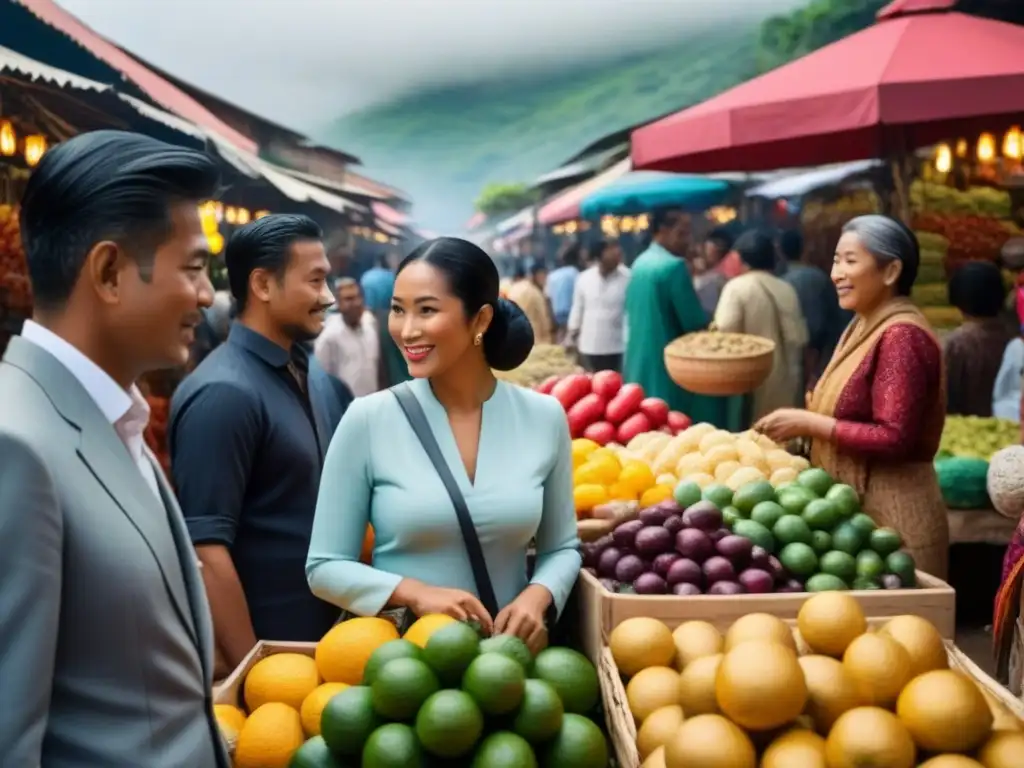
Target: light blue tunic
(377,472)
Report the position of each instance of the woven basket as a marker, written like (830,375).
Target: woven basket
(721,376)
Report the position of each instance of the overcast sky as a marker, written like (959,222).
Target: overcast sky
(303,62)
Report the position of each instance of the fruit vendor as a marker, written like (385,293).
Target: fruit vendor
(507,449)
(877,413)
(661,306)
(974,351)
(248,432)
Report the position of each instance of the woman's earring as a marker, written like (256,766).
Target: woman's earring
(479,339)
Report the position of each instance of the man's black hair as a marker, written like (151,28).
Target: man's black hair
(265,244)
(664,218)
(977,289)
(791,244)
(105,185)
(720,237)
(571,255)
(756,250)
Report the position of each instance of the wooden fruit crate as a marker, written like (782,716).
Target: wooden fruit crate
(230,690)
(601,611)
(622,729)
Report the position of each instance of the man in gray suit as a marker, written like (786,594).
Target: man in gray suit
(105,639)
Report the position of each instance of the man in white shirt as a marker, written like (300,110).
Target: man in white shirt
(106,651)
(349,347)
(597,319)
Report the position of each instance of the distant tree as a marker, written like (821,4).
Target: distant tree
(497,198)
(820,22)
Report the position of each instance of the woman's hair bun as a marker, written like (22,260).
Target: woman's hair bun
(509,338)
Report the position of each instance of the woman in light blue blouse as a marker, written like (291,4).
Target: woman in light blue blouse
(508,449)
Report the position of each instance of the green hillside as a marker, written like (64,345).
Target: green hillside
(443,145)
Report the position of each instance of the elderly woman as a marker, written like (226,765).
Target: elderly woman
(876,415)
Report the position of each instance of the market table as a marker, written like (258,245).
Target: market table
(979,526)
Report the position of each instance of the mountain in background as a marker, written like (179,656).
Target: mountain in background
(443,145)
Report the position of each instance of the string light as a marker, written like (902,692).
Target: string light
(8,138)
(986,148)
(943,158)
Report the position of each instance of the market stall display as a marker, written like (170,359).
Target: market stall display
(968,442)
(719,363)
(438,693)
(545,362)
(837,687)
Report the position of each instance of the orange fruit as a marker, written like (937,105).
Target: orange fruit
(342,653)
(621,491)
(637,475)
(655,495)
(588,496)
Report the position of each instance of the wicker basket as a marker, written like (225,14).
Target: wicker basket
(722,376)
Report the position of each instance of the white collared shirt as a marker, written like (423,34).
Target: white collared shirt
(598,311)
(351,354)
(128,412)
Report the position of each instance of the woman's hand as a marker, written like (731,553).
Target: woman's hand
(423,599)
(524,618)
(787,424)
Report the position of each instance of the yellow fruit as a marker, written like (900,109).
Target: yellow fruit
(589,495)
(783,475)
(709,741)
(651,689)
(589,474)
(725,470)
(697,686)
(692,464)
(799,463)
(778,459)
(229,716)
(640,642)
(655,495)
(921,640)
(636,475)
(607,468)
(424,627)
(700,479)
(313,705)
(879,667)
(760,685)
(951,761)
(656,759)
(830,621)
(622,492)
(667,478)
(830,691)
(658,728)
(606,452)
(869,737)
(286,678)
(269,738)
(721,453)
(796,748)
(759,626)
(744,475)
(945,712)
(1004,749)
(718,437)
(694,639)
(748,451)
(343,652)
(581,446)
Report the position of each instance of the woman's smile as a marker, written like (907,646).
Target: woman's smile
(417,353)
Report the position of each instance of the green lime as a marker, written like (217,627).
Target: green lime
(504,750)
(799,559)
(790,529)
(848,538)
(783,486)
(450,650)
(495,682)
(816,480)
(870,565)
(510,646)
(449,724)
(750,495)
(571,674)
(687,494)
(402,685)
(839,564)
(718,494)
(579,744)
(348,719)
(821,515)
(885,541)
(756,532)
(863,523)
(795,499)
(866,584)
(540,715)
(821,542)
(767,513)
(395,649)
(393,746)
(825,582)
(902,565)
(845,498)
(314,754)
(730,515)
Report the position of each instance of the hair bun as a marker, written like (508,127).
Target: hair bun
(509,338)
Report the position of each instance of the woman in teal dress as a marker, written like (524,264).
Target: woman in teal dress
(507,447)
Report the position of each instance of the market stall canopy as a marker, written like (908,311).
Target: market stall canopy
(908,81)
(387,214)
(585,166)
(803,182)
(523,219)
(566,206)
(643,191)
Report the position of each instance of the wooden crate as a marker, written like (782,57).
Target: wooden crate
(1016,682)
(230,690)
(622,728)
(601,611)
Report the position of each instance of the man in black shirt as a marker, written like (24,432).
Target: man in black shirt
(248,432)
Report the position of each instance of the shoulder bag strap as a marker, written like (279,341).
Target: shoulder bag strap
(418,421)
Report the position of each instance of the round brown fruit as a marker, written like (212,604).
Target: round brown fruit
(658,728)
(759,626)
(945,712)
(879,667)
(651,689)
(710,741)
(830,621)
(760,685)
(921,640)
(869,737)
(694,639)
(795,748)
(639,643)
(697,686)
(830,691)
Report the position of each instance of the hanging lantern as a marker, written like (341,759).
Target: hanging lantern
(8,138)
(242,216)
(570,227)
(260,214)
(1012,143)
(961,148)
(230,215)
(986,148)
(943,158)
(215,241)
(35,148)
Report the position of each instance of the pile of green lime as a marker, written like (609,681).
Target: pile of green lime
(463,701)
(817,530)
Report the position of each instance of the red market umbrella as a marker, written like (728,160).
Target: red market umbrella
(921,74)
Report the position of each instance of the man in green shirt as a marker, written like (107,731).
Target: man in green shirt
(661,305)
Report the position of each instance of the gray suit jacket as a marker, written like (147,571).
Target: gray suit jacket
(105,635)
